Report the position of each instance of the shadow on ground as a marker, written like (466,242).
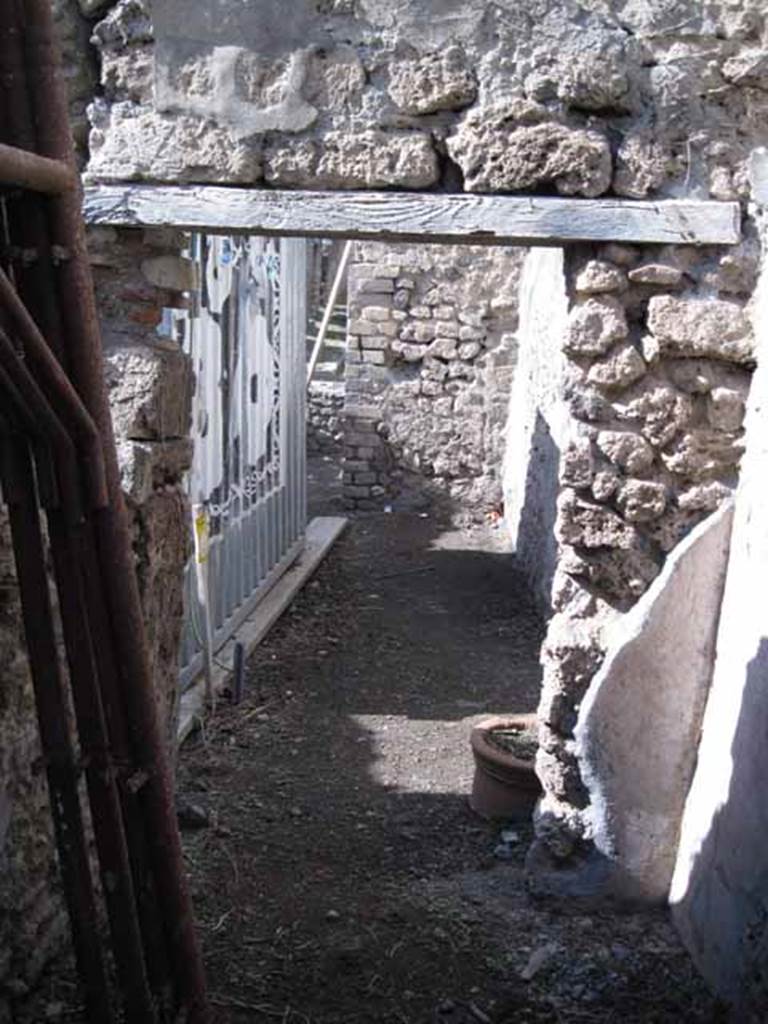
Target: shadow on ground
(342,877)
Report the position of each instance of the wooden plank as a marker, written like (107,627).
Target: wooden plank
(413,216)
(322,533)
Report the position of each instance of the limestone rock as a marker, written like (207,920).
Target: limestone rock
(600,276)
(621,575)
(595,77)
(469,350)
(345,159)
(335,79)
(418,330)
(439,81)
(703,453)
(594,325)
(147,465)
(640,501)
(408,352)
(577,464)
(558,771)
(128,23)
(443,348)
(628,451)
(642,166)
(623,255)
(591,526)
(619,369)
(495,157)
(150,392)
(726,409)
(130,142)
(571,653)
(703,497)
(712,328)
(749,67)
(656,273)
(605,484)
(661,412)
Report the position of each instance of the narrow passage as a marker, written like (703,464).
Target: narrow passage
(342,877)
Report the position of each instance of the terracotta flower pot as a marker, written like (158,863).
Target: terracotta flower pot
(505,785)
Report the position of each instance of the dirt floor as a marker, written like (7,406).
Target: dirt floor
(342,877)
(338,874)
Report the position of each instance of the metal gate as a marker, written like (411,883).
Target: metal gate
(247,483)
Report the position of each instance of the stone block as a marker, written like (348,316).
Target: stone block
(172,273)
(577,465)
(586,525)
(497,158)
(356,491)
(374,356)
(599,276)
(376,313)
(130,142)
(468,350)
(703,453)
(641,501)
(376,286)
(443,348)
(353,159)
(661,412)
(594,326)
(446,328)
(436,81)
(418,330)
(710,328)
(150,392)
(726,409)
(380,343)
(409,353)
(628,451)
(659,274)
(621,367)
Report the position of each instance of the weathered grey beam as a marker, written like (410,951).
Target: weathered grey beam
(413,216)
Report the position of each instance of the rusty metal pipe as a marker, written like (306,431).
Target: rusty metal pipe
(101,772)
(37,418)
(58,388)
(33,276)
(23,169)
(52,715)
(42,422)
(83,353)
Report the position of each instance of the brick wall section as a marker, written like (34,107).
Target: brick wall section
(325,412)
(430,358)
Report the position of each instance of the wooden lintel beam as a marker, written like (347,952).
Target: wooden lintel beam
(413,216)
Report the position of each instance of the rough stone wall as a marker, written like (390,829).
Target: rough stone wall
(579,97)
(32,918)
(138,275)
(430,358)
(325,414)
(659,351)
